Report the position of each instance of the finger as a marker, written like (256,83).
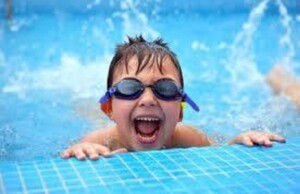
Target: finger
(275,137)
(266,142)
(257,138)
(120,150)
(261,139)
(67,154)
(91,152)
(247,141)
(79,154)
(102,150)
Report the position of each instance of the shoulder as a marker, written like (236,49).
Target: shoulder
(107,137)
(188,136)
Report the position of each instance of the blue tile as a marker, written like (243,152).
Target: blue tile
(117,188)
(228,169)
(111,179)
(160,173)
(126,176)
(97,189)
(178,173)
(91,181)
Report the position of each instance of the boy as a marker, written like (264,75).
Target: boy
(144,98)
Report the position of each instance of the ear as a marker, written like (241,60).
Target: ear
(107,108)
(180,113)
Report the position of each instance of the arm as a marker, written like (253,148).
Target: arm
(100,142)
(188,136)
(99,136)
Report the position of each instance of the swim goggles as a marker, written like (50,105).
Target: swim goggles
(164,89)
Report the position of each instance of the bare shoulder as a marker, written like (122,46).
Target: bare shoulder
(188,136)
(107,137)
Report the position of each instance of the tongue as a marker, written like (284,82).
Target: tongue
(146,128)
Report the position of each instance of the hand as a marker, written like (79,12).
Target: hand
(251,138)
(90,150)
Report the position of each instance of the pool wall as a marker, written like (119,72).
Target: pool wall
(227,169)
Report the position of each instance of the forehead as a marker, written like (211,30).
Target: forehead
(154,67)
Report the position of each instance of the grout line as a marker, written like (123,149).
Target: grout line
(127,167)
(41,178)
(21,179)
(142,163)
(2,187)
(163,166)
(95,171)
(77,173)
(60,177)
(180,167)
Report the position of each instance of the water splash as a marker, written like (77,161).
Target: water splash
(270,111)
(63,77)
(135,21)
(285,40)
(196,45)
(93,4)
(241,64)
(7,137)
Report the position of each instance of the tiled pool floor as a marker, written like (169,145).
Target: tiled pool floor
(227,169)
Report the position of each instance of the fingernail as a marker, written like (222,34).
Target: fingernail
(81,157)
(268,144)
(94,157)
(65,155)
(106,154)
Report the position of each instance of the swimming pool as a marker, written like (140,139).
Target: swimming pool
(54,57)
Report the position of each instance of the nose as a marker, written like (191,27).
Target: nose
(147,98)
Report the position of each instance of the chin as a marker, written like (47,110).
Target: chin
(146,147)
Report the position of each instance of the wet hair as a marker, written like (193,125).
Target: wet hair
(147,53)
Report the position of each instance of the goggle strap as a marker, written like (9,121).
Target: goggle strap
(104,98)
(107,95)
(188,100)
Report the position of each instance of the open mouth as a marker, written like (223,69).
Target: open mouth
(147,129)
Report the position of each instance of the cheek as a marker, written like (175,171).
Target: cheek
(172,111)
(121,110)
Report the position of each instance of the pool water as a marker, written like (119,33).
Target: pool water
(54,58)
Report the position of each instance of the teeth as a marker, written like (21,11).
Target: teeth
(149,119)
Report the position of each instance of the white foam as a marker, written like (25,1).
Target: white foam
(240,63)
(110,24)
(16,24)
(196,45)
(285,40)
(82,80)
(92,4)
(135,21)
(222,45)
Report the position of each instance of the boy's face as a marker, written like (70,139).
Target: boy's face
(146,122)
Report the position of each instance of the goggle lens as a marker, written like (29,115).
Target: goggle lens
(164,89)
(128,89)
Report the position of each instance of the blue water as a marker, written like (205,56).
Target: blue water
(54,58)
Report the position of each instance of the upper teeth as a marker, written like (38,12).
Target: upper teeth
(147,119)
